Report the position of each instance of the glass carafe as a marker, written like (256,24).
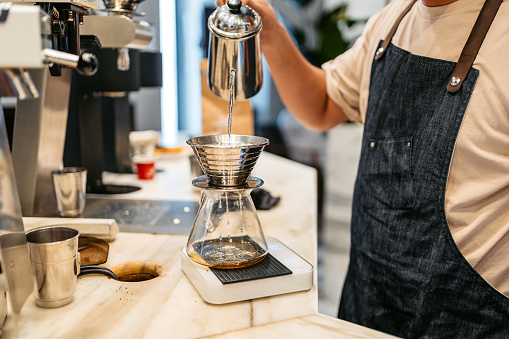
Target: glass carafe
(226,232)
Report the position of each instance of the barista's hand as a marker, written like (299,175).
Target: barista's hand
(270,21)
(300,84)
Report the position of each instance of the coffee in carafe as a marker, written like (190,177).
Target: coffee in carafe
(227,232)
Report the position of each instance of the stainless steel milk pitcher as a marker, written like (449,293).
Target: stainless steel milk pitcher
(235,44)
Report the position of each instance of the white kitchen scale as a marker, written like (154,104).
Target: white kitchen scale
(282,271)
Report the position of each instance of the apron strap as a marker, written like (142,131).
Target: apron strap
(473,44)
(381,51)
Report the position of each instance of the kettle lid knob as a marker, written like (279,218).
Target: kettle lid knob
(234,5)
(234,21)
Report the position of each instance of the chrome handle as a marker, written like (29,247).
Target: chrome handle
(85,64)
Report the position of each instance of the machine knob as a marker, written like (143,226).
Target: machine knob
(87,64)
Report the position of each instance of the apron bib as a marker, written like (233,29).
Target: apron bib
(406,275)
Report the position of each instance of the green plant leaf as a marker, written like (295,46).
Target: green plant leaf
(331,41)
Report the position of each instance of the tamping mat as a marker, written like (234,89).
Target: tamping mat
(267,268)
(93,251)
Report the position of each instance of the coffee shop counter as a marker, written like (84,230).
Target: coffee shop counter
(169,306)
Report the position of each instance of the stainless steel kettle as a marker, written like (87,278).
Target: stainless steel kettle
(235,44)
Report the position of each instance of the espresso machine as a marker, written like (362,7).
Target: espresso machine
(227,257)
(41,65)
(40,43)
(99,112)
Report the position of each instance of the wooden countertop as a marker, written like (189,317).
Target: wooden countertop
(169,306)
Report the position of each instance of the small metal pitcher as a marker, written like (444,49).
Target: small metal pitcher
(235,44)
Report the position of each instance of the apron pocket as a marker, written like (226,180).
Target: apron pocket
(385,173)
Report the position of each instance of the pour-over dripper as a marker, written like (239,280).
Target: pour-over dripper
(227,160)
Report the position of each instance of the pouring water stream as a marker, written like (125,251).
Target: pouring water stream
(232,87)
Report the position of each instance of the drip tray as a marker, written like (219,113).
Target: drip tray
(213,290)
(145,216)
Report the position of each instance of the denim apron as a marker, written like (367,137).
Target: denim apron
(406,275)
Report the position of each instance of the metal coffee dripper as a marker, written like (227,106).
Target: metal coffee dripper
(227,232)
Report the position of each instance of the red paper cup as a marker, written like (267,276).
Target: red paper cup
(145,167)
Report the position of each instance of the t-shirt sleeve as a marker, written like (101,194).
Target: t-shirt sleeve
(347,76)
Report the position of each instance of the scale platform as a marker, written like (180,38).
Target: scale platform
(287,272)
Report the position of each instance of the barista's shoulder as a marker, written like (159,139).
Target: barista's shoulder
(394,8)
(383,21)
(504,7)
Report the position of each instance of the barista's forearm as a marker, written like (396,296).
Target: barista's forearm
(300,84)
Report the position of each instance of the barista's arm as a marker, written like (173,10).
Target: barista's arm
(300,84)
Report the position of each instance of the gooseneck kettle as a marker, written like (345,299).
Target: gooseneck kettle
(235,44)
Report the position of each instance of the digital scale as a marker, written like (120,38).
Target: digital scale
(282,271)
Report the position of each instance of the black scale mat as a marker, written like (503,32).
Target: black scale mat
(267,268)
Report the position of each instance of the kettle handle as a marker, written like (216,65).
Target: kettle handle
(234,5)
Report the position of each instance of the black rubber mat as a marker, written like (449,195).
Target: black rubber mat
(267,268)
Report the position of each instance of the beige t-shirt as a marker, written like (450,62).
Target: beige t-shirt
(477,193)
